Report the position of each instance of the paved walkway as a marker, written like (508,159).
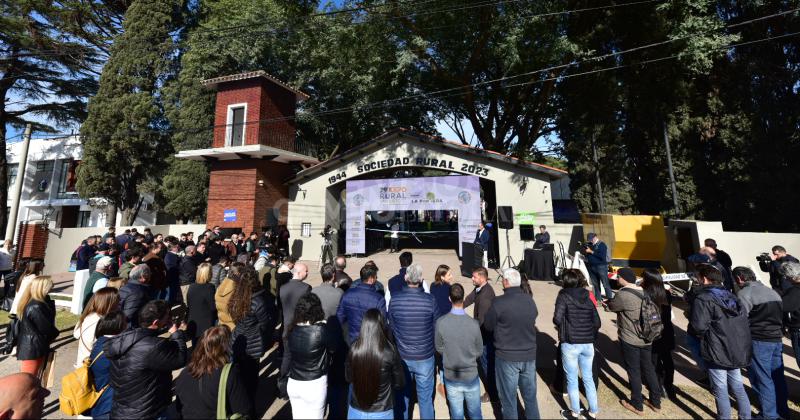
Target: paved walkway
(693,401)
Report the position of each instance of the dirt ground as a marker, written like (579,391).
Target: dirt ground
(693,400)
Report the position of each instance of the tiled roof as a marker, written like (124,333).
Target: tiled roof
(252,75)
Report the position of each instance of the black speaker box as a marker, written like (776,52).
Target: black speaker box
(505,217)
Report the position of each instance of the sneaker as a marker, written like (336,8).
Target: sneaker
(568,415)
(587,415)
(652,405)
(631,408)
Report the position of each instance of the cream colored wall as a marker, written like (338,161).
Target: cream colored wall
(61,246)
(534,196)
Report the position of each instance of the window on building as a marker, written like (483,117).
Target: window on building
(12,174)
(67,178)
(44,166)
(84,218)
(305,230)
(236,121)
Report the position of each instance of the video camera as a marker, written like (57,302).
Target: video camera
(583,246)
(763,257)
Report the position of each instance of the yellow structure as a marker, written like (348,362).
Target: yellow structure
(634,241)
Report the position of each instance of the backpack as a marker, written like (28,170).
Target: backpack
(650,324)
(608,254)
(77,389)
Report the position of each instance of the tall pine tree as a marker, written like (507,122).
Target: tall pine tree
(123,142)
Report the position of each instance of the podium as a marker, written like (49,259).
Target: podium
(469,249)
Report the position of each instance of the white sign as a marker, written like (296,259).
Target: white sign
(460,193)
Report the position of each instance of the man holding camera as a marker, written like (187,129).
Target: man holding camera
(597,261)
(778,257)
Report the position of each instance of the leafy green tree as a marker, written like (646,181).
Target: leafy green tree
(123,141)
(47,70)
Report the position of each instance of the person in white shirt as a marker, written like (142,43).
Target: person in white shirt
(395,236)
(102,302)
(32,270)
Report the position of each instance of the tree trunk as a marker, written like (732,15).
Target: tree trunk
(111,215)
(129,215)
(3,173)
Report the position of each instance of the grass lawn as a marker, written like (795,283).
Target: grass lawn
(64,319)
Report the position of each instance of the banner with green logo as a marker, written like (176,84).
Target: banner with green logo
(525,218)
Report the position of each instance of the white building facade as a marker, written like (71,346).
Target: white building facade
(48,189)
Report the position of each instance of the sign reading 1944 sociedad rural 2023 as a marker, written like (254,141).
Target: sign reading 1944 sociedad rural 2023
(446,164)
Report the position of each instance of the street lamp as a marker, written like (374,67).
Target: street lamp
(48,212)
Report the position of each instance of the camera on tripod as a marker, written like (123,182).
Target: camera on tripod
(763,257)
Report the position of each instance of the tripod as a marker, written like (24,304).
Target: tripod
(327,250)
(508,259)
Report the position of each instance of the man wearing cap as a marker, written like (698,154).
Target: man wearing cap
(636,353)
(98,279)
(103,250)
(597,262)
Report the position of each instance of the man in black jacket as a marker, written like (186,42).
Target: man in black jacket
(142,364)
(135,294)
(791,306)
(483,296)
(512,322)
(188,270)
(778,257)
(721,324)
(765,312)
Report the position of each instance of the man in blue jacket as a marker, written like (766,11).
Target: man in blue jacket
(397,282)
(597,256)
(412,316)
(358,299)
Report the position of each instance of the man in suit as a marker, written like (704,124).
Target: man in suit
(542,238)
(482,240)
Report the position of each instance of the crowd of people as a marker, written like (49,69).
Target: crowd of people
(361,348)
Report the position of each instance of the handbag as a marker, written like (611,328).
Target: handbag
(77,389)
(221,396)
(12,334)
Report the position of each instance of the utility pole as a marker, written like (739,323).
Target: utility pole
(600,200)
(14,211)
(675,206)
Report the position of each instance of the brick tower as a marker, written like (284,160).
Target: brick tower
(253,151)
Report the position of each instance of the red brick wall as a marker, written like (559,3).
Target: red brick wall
(31,241)
(234,185)
(266,102)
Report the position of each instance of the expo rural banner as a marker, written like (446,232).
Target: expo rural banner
(460,193)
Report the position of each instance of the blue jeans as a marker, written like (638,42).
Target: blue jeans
(356,414)
(459,393)
(510,375)
(487,368)
(572,356)
(768,380)
(421,372)
(721,379)
(599,274)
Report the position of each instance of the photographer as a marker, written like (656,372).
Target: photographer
(327,244)
(771,263)
(597,261)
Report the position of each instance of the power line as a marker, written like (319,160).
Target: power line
(438,95)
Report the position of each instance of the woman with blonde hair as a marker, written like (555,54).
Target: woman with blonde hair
(197,386)
(100,304)
(202,313)
(37,328)
(33,269)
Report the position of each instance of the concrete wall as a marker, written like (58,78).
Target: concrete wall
(61,246)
